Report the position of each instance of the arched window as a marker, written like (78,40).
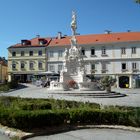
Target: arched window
(22,66)
(40,65)
(13,65)
(31,65)
(13,53)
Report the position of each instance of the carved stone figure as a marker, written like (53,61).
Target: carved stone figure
(73,23)
(66,53)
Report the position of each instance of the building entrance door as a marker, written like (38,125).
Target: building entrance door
(24,78)
(124,82)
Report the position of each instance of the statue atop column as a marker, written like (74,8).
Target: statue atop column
(73,23)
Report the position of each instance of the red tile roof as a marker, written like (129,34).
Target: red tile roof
(85,39)
(34,43)
(98,38)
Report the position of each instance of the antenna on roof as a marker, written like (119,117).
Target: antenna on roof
(108,31)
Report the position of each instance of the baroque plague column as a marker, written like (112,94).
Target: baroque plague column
(73,68)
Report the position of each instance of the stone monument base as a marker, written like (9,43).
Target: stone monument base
(82,86)
(87,86)
(58,86)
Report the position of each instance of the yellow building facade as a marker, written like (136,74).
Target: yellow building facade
(25,60)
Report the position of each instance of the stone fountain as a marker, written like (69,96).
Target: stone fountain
(73,75)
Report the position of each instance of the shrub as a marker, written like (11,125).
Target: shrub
(34,106)
(71,83)
(13,84)
(4,87)
(106,82)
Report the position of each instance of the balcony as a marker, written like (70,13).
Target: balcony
(104,70)
(93,55)
(104,55)
(23,69)
(14,69)
(135,70)
(93,71)
(124,70)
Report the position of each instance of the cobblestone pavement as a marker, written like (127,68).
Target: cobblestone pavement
(92,134)
(31,91)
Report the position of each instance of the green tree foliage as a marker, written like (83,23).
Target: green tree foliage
(107,82)
(137,1)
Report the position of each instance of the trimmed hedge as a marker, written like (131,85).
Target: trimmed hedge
(30,119)
(35,113)
(98,116)
(33,106)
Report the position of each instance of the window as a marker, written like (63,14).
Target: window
(42,41)
(31,53)
(92,66)
(40,53)
(92,51)
(51,67)
(22,53)
(13,53)
(51,54)
(22,65)
(25,42)
(103,51)
(123,66)
(133,50)
(104,66)
(13,66)
(60,67)
(83,51)
(31,65)
(134,66)
(40,65)
(123,51)
(60,53)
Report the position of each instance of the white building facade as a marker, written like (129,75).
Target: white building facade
(114,54)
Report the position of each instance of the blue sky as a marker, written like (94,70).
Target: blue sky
(24,19)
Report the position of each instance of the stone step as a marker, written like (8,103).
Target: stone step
(96,95)
(90,94)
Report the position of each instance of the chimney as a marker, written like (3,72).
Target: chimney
(59,36)
(38,36)
(128,30)
(107,31)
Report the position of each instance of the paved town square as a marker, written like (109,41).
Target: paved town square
(92,134)
(132,97)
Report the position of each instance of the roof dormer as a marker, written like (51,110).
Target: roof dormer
(42,41)
(25,42)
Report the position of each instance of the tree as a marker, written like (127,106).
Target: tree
(137,1)
(106,82)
